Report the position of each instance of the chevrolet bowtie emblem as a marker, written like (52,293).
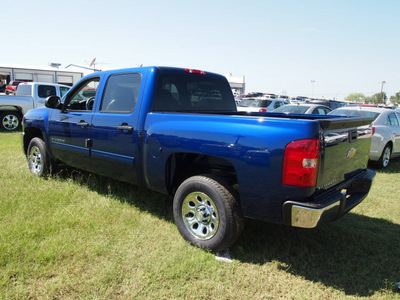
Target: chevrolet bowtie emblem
(351,153)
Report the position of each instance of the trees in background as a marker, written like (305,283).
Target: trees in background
(395,99)
(355,97)
(378,98)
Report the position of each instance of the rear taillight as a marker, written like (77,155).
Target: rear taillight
(262,110)
(373,130)
(192,71)
(300,164)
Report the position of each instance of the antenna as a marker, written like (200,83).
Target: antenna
(93,64)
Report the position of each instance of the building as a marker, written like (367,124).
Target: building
(237,83)
(50,74)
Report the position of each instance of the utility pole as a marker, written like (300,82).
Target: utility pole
(383,82)
(312,88)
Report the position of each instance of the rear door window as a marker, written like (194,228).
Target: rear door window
(45,91)
(320,111)
(121,93)
(265,103)
(278,104)
(393,120)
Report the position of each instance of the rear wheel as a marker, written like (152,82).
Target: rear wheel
(10,121)
(383,161)
(207,213)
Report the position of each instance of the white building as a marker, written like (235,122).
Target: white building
(237,83)
(68,76)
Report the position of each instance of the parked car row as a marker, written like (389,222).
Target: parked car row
(293,100)
(260,104)
(262,95)
(385,127)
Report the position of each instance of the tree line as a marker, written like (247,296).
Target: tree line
(378,98)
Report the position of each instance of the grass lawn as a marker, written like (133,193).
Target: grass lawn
(78,235)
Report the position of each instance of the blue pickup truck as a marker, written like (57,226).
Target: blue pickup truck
(177,131)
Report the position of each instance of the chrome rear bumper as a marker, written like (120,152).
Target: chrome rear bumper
(329,205)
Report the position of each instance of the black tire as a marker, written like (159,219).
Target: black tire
(207,213)
(10,121)
(384,160)
(38,159)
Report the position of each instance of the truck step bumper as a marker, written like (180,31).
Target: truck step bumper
(331,204)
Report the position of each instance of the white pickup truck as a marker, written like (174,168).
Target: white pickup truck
(29,95)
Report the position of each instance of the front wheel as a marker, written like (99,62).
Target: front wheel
(38,159)
(207,213)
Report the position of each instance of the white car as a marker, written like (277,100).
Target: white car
(385,131)
(260,104)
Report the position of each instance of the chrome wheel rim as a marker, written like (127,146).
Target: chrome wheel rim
(10,122)
(35,160)
(386,157)
(200,215)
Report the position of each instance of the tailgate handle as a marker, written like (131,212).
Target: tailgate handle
(353,134)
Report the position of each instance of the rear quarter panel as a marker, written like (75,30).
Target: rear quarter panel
(21,103)
(254,146)
(381,137)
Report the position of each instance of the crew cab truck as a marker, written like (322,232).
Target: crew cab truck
(177,131)
(29,95)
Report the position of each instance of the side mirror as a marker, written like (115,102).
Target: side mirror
(53,102)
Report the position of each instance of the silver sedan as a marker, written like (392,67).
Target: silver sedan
(385,131)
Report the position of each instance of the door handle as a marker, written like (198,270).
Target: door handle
(125,128)
(82,123)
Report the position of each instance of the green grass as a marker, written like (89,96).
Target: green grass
(77,235)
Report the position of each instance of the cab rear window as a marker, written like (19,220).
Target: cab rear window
(193,92)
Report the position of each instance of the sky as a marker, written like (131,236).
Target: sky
(314,48)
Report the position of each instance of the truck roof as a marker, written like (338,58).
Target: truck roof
(162,69)
(45,83)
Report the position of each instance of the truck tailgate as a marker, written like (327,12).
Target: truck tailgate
(346,148)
